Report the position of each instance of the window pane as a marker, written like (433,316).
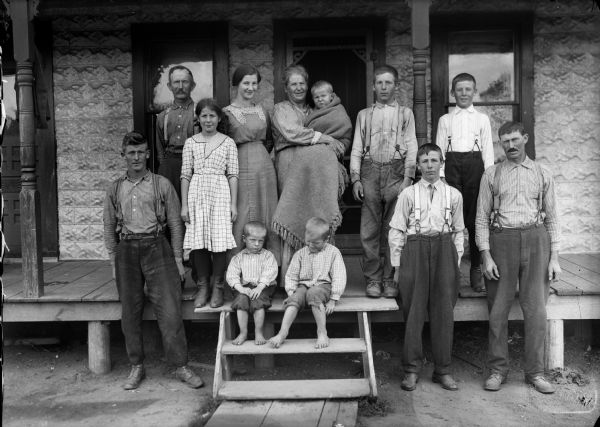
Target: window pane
(203,76)
(489,56)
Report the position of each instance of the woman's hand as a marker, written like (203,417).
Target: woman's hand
(185,213)
(234,212)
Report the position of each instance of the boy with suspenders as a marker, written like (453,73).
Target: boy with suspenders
(426,243)
(465,137)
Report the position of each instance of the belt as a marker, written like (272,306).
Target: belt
(368,159)
(140,236)
(517,229)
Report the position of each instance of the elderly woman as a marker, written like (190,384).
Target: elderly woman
(249,126)
(306,164)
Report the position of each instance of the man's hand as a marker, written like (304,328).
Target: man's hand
(554,269)
(113,266)
(357,191)
(329,307)
(254,293)
(490,269)
(185,213)
(180,268)
(234,212)
(338,148)
(405,184)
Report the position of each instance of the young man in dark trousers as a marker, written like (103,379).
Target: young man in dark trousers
(426,243)
(138,208)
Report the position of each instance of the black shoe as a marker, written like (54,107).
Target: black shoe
(476,279)
(186,375)
(409,382)
(390,289)
(217,298)
(446,381)
(374,289)
(136,375)
(201,296)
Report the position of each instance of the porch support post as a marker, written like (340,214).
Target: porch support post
(420,44)
(21,12)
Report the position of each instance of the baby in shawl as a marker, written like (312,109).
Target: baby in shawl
(330,117)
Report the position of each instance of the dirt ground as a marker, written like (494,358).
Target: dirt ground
(50,385)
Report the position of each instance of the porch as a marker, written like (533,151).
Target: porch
(85,291)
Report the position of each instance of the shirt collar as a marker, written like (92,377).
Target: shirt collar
(381,105)
(184,106)
(469,109)
(437,185)
(145,177)
(527,163)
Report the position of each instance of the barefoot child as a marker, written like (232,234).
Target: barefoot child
(316,277)
(251,274)
(209,175)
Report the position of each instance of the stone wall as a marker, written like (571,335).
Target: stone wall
(93,96)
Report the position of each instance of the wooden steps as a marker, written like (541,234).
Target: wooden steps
(344,388)
(299,346)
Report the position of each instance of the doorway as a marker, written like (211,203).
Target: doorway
(343,52)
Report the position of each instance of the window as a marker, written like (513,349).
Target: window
(497,51)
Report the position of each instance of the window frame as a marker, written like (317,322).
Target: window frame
(521,25)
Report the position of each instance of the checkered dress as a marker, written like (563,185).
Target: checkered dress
(207,164)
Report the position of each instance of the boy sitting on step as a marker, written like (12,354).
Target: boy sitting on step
(316,276)
(251,274)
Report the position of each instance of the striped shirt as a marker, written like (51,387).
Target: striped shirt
(519,190)
(386,122)
(432,216)
(465,125)
(249,268)
(310,269)
(180,126)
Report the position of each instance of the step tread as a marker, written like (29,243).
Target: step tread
(290,346)
(295,389)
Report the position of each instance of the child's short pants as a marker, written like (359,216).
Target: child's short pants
(313,296)
(244,303)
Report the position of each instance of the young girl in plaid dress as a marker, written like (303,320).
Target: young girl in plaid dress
(209,175)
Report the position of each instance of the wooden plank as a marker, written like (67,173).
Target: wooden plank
(348,413)
(298,346)
(582,272)
(585,286)
(356,285)
(106,292)
(240,414)
(294,414)
(554,345)
(346,304)
(565,288)
(329,414)
(589,261)
(99,347)
(218,377)
(295,389)
(371,365)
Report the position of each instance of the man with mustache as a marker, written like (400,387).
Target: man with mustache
(175,124)
(517,231)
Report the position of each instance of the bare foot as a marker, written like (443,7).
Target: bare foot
(240,339)
(259,339)
(322,341)
(277,340)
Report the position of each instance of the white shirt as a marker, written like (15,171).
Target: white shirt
(465,125)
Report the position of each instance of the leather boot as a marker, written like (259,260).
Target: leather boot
(202,295)
(216,299)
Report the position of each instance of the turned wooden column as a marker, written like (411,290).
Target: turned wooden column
(420,44)
(29,197)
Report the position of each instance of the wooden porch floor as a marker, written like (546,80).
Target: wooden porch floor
(90,284)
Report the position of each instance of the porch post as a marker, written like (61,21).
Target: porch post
(29,198)
(420,43)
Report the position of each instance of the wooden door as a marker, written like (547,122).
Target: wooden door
(343,52)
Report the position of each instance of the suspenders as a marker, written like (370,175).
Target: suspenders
(158,206)
(447,208)
(494,223)
(449,147)
(369,118)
